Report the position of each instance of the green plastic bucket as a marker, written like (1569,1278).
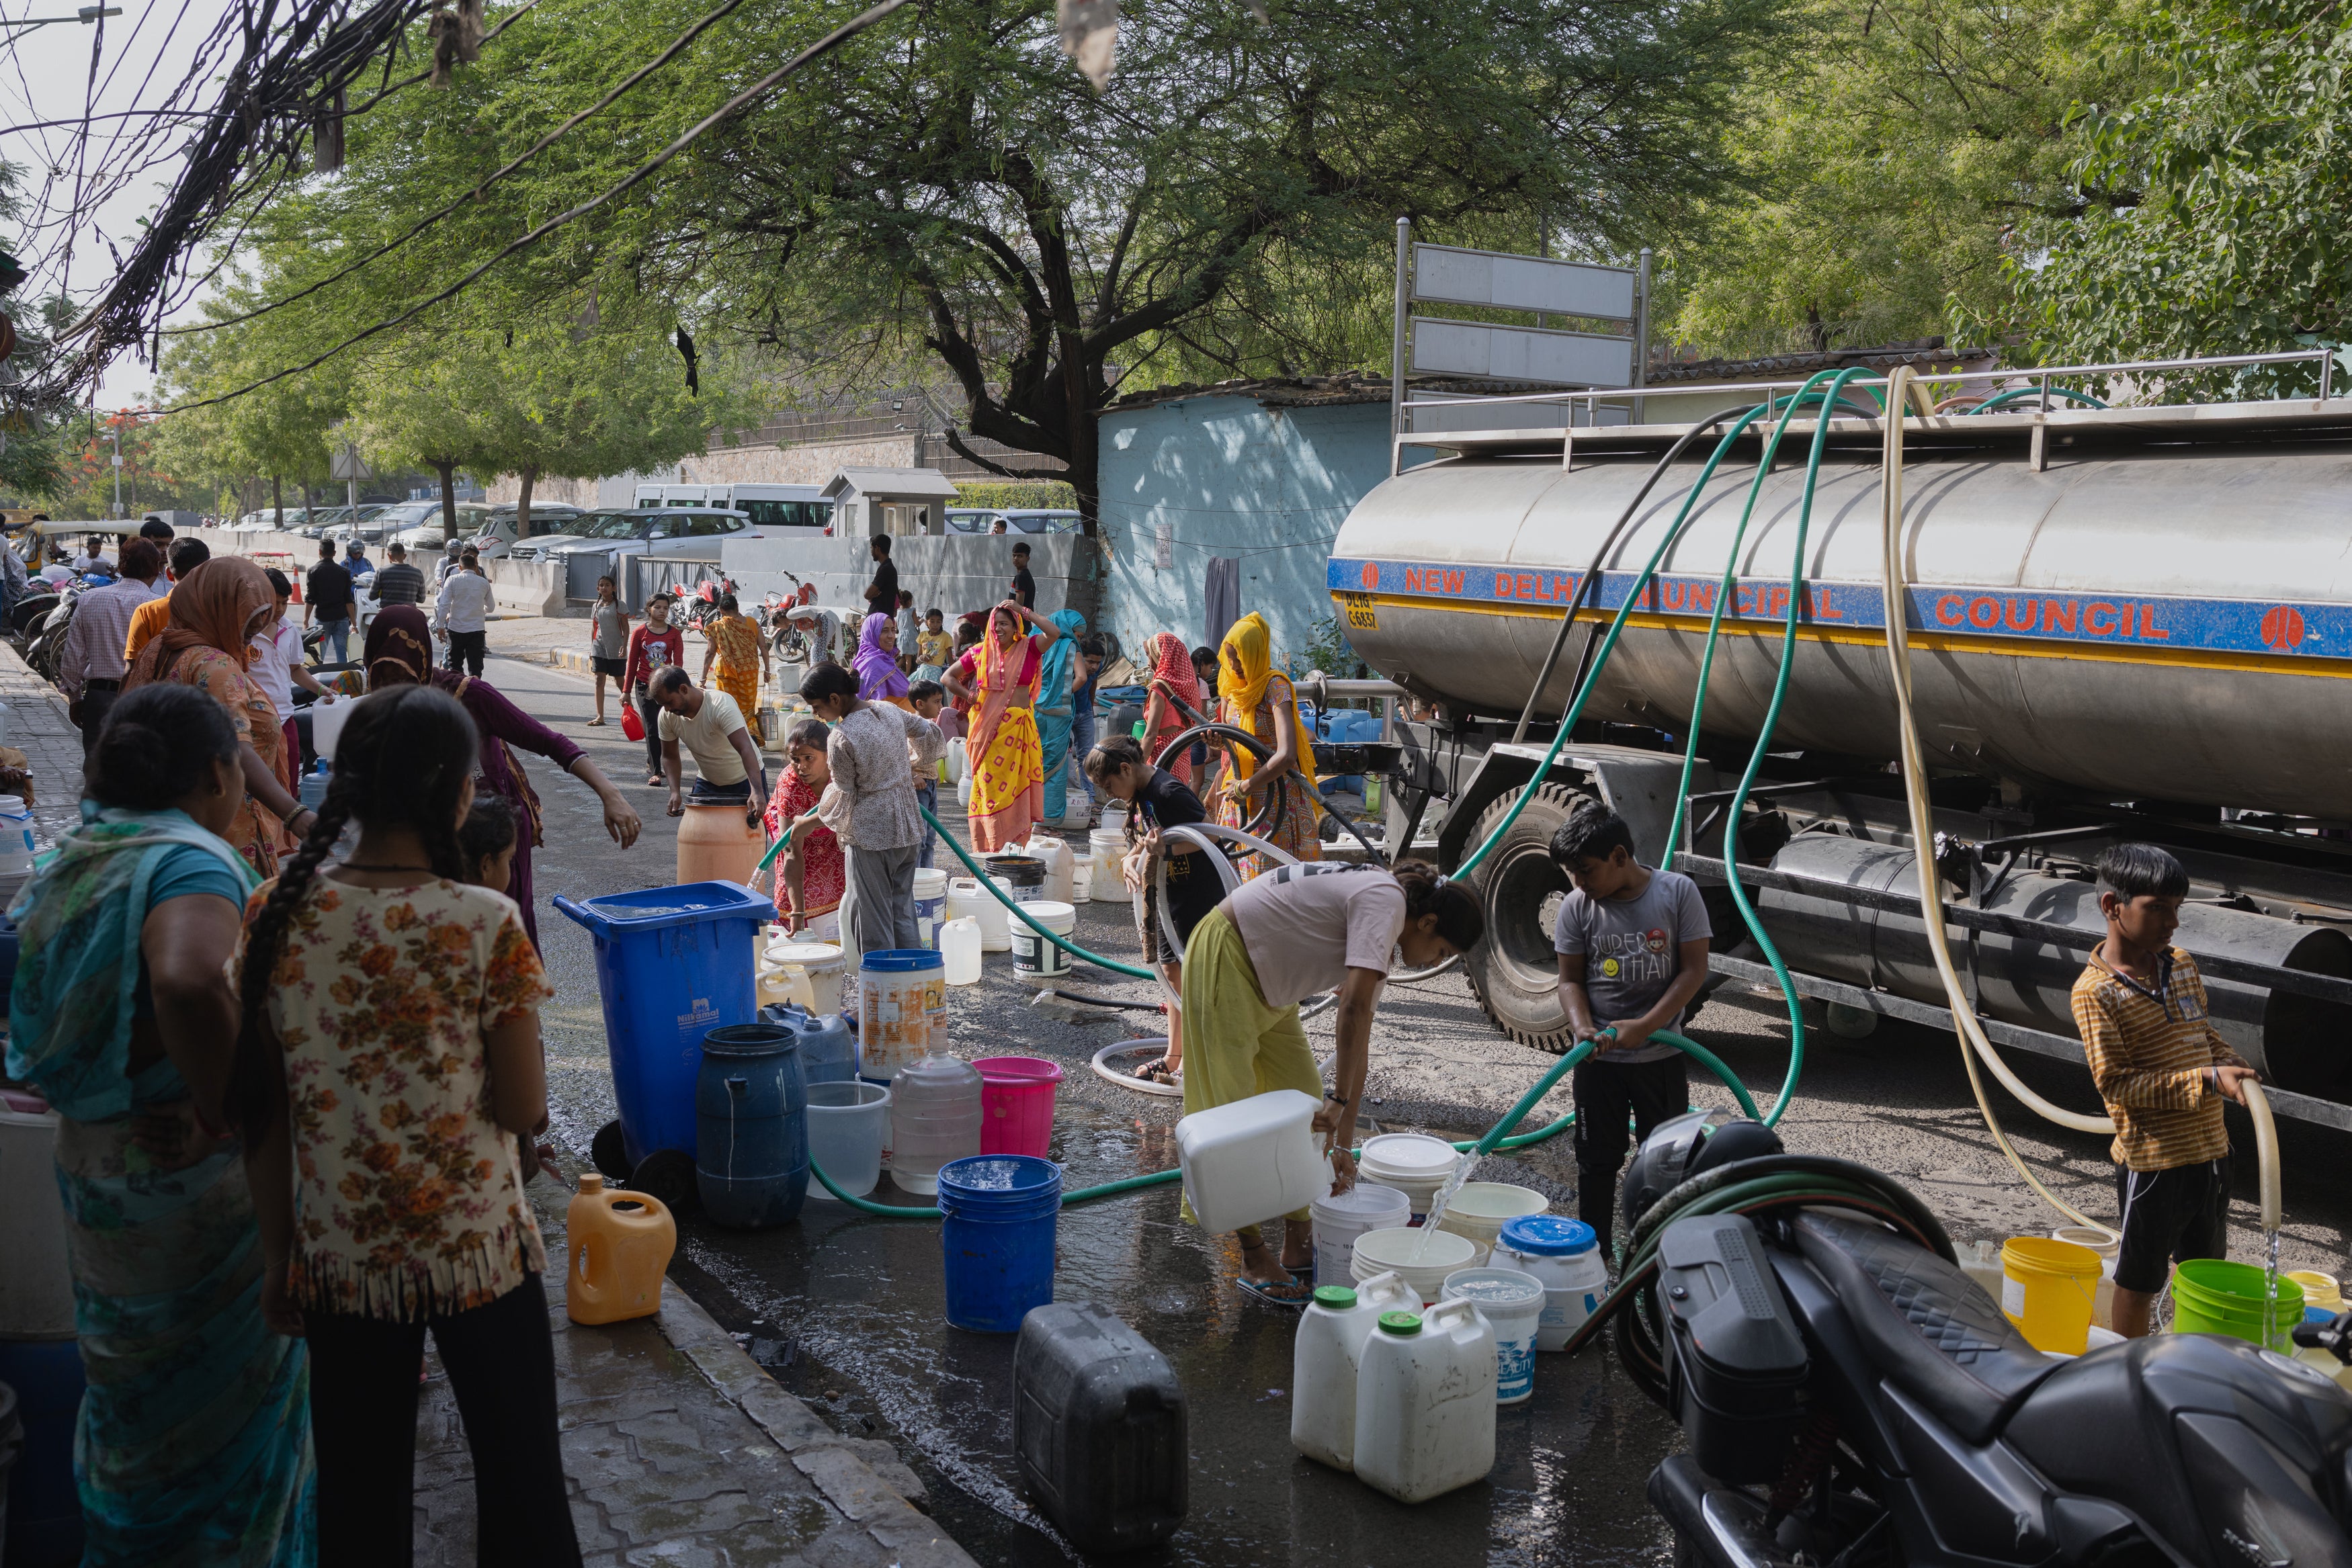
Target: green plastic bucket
(2212,1296)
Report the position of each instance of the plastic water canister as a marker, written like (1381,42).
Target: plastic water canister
(1251,1159)
(959,950)
(1057,858)
(315,782)
(1565,1255)
(828,1050)
(1425,1402)
(1098,1428)
(931,905)
(1325,1359)
(327,721)
(901,995)
(750,1151)
(621,1244)
(935,1114)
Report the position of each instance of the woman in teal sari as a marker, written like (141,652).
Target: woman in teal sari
(194,1447)
(1059,677)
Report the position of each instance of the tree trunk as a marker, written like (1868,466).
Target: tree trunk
(530,476)
(277,498)
(448,471)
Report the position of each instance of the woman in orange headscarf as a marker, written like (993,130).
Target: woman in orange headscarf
(999,678)
(1172,684)
(1252,697)
(216,610)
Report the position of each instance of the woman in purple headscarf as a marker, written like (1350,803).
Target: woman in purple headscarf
(878,680)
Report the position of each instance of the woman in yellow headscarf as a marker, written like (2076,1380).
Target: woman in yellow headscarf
(1251,697)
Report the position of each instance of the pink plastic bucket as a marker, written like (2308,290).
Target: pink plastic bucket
(1016,1105)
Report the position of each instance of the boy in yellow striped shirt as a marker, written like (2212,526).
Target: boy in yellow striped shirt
(2164,1072)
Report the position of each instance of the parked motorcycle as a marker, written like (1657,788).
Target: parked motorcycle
(1853,1400)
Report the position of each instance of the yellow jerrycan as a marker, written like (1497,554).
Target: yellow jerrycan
(621,1245)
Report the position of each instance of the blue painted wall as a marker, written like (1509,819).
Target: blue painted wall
(1231,477)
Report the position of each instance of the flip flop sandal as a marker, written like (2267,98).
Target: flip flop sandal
(1263,1289)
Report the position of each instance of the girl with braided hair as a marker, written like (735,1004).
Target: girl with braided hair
(388,1062)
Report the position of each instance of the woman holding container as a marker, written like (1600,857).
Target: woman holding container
(1290,934)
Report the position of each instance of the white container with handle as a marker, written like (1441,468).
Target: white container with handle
(1324,1360)
(1425,1402)
(1251,1160)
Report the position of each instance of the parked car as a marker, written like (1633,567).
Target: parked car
(666,530)
(497,536)
(426,534)
(539,545)
(1016,520)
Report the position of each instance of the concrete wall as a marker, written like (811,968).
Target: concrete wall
(1226,476)
(955,573)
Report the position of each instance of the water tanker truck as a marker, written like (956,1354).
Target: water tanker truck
(2126,624)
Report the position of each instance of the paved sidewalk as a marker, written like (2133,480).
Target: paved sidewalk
(679,1448)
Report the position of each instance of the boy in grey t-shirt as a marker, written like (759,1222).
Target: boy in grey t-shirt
(1632,944)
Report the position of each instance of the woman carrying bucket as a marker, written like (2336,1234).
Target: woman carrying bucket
(1289,934)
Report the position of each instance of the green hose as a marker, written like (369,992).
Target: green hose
(988,883)
(2016,393)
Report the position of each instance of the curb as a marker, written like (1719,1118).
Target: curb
(815,1450)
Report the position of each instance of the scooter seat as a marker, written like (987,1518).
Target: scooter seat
(1927,1325)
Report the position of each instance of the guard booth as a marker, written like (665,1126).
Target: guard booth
(900,502)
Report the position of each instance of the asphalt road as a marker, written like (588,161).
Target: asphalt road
(845,1308)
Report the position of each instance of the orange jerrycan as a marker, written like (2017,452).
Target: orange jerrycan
(621,1243)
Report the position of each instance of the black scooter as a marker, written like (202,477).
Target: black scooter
(1854,1400)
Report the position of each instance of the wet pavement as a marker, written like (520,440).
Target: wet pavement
(845,1309)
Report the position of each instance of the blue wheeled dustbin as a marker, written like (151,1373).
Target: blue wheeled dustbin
(672,965)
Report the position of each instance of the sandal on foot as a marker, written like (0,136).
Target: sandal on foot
(1263,1289)
(595,724)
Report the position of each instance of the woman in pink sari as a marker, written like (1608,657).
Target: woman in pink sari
(998,679)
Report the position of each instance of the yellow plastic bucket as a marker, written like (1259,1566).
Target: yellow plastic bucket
(2320,1291)
(2046,1290)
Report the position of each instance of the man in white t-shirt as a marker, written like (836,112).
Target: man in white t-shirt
(276,665)
(710,725)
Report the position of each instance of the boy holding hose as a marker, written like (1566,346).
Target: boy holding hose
(2163,1071)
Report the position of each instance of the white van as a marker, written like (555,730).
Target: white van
(772,506)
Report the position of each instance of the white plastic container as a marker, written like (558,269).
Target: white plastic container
(1034,957)
(848,1129)
(960,946)
(1480,1209)
(1082,882)
(1251,1160)
(959,760)
(934,1118)
(327,720)
(931,905)
(966,901)
(1055,853)
(1563,1254)
(2109,1244)
(1415,1164)
(1422,1257)
(1106,846)
(1341,1217)
(821,962)
(1323,1362)
(1513,1305)
(1425,1403)
(15,836)
(36,1279)
(963,790)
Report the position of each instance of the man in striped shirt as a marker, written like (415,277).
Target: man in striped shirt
(2164,1072)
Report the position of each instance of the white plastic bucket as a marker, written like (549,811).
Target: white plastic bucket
(1423,1267)
(1481,1208)
(1514,1304)
(1565,1256)
(1106,847)
(848,1123)
(931,905)
(821,962)
(1415,1164)
(1035,958)
(16,835)
(1341,1217)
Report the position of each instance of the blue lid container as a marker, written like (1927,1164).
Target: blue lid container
(1548,1236)
(672,965)
(903,960)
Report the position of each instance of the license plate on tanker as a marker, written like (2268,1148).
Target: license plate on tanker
(1363,614)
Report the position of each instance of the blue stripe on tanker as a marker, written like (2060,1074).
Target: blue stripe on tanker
(2171,624)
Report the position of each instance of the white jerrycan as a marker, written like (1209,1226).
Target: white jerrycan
(1425,1402)
(1325,1361)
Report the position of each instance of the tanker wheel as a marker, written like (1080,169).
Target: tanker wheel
(1513,969)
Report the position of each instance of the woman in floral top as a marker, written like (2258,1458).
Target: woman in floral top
(389,1060)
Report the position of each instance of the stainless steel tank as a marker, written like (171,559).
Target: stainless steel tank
(2168,622)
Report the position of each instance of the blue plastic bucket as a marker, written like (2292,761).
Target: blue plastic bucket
(998,1214)
(672,965)
(750,1151)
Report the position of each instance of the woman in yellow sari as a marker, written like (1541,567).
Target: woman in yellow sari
(732,640)
(1251,697)
(998,679)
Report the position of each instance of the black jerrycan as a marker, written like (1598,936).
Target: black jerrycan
(1098,1428)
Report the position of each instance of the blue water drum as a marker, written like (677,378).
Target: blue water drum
(998,1215)
(750,1146)
(828,1050)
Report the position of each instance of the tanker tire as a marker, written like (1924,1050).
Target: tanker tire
(1512,970)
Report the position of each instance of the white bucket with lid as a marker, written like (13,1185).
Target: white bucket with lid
(1106,847)
(1421,1257)
(1565,1256)
(1341,1217)
(1415,1164)
(1514,1304)
(1034,957)
(821,962)
(931,905)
